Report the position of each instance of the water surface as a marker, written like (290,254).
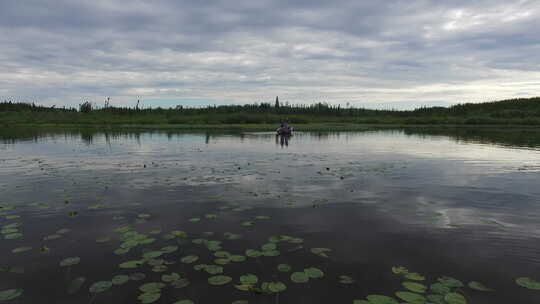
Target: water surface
(458,204)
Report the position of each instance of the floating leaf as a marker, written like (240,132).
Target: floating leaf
(222,261)
(121,251)
(399,270)
(152,287)
(170,277)
(276,287)
(378,299)
(219,280)
(180,283)
(211,216)
(76,285)
(269,247)
(414,276)
(100,286)
(314,273)
(184,302)
(13,236)
(70,261)
(528,283)
(237,258)
(253,253)
(270,253)
(232,236)
(344,279)
(249,279)
(320,251)
(120,279)
(143,215)
(455,298)
(180,234)
(415,287)
(169,249)
(102,240)
(63,231)
(213,269)
(450,282)
(21,249)
(159,268)
(52,237)
(152,254)
(410,297)
(147,298)
(436,299)
(479,286)
(262,217)
(131,264)
(248,224)
(195,219)
(10,294)
(284,267)
(299,277)
(189,259)
(440,288)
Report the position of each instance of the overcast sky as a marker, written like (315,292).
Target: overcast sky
(400,54)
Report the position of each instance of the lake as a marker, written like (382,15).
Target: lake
(124,216)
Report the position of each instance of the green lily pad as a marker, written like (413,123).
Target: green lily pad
(222,261)
(100,286)
(121,251)
(169,249)
(180,234)
(189,259)
(138,276)
(269,247)
(70,261)
(152,254)
(143,215)
(213,269)
(378,299)
(436,299)
(528,283)
(180,283)
(271,253)
(440,288)
(211,216)
(455,298)
(21,249)
(415,287)
(131,264)
(284,267)
(222,254)
(63,231)
(249,279)
(248,224)
(237,258)
(299,277)
(184,302)
(399,270)
(195,219)
(10,294)
(253,253)
(262,217)
(451,282)
(314,273)
(152,287)
(276,287)
(320,251)
(159,268)
(147,298)
(102,240)
(479,286)
(13,236)
(170,277)
(76,285)
(232,236)
(120,279)
(414,276)
(52,237)
(345,279)
(219,280)
(410,297)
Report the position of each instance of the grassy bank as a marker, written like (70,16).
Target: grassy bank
(265,117)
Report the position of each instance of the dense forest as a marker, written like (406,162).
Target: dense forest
(525,111)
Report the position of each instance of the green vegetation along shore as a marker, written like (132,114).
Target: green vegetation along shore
(262,116)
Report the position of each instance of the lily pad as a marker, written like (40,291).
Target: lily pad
(152,254)
(170,277)
(284,267)
(131,264)
(120,279)
(344,279)
(399,270)
(248,224)
(249,279)
(450,282)
(479,286)
(410,297)
(378,299)
(440,288)
(180,283)
(147,298)
(152,287)
(138,276)
(455,298)
(414,276)
(528,283)
(213,269)
(277,287)
(320,251)
(13,236)
(415,287)
(314,273)
(100,286)
(195,219)
(253,253)
(21,249)
(189,259)
(70,261)
(237,258)
(52,237)
(269,247)
(10,294)
(299,277)
(102,240)
(184,302)
(219,280)
(169,249)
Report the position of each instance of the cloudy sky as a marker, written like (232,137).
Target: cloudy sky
(400,54)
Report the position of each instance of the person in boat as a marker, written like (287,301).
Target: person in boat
(284,128)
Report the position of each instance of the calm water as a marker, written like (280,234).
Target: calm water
(463,205)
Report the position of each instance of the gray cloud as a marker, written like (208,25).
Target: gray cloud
(395,53)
